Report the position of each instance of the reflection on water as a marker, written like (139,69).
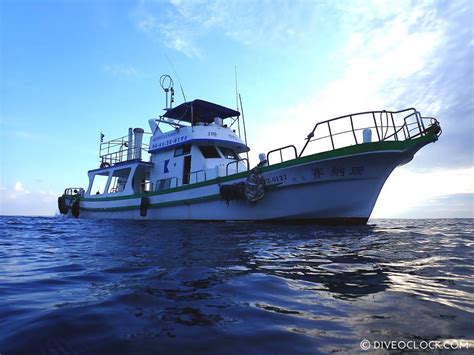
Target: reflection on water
(329,264)
(125,286)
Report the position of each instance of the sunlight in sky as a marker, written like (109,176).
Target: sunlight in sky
(74,69)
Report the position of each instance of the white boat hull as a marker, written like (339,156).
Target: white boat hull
(341,189)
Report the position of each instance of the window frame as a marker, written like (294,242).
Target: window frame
(182,150)
(235,157)
(219,156)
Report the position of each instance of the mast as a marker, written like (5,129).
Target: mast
(245,131)
(237,100)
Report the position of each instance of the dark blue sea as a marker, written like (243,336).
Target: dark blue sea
(72,286)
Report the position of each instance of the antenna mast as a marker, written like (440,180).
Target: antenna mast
(166,84)
(237,98)
(245,131)
(236,89)
(177,76)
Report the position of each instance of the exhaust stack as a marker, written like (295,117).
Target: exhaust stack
(138,132)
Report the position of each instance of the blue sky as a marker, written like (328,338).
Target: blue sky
(71,69)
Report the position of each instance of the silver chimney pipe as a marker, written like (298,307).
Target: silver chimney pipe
(130,144)
(138,142)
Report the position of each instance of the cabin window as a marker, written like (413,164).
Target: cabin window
(209,151)
(182,150)
(228,153)
(119,180)
(99,183)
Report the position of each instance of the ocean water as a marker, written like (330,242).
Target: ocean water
(84,286)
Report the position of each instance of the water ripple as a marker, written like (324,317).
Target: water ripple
(74,286)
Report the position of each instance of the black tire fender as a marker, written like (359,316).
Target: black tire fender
(75,208)
(144,203)
(63,209)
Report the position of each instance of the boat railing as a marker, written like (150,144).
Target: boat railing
(117,151)
(357,128)
(196,175)
(236,162)
(280,150)
(166,184)
(193,177)
(74,191)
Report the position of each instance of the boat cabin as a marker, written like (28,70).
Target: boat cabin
(197,146)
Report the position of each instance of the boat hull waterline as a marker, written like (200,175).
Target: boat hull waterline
(336,187)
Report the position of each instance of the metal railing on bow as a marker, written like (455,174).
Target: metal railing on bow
(357,128)
(364,127)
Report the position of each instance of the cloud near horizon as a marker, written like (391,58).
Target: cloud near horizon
(410,194)
(16,199)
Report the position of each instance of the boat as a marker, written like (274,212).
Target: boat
(195,167)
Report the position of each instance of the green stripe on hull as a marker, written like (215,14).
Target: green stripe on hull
(156,205)
(170,203)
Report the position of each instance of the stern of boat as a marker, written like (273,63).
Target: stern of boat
(69,201)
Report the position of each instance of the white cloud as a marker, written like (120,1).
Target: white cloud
(118,70)
(10,131)
(147,23)
(182,24)
(173,29)
(20,200)
(389,48)
(18,187)
(406,191)
(14,192)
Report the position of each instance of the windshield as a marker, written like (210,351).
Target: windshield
(228,153)
(209,151)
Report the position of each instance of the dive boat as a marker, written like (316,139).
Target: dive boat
(196,167)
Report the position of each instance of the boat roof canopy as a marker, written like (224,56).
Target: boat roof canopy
(200,111)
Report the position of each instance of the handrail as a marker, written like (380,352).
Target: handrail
(120,156)
(160,184)
(413,126)
(167,183)
(236,162)
(196,173)
(120,141)
(116,150)
(74,191)
(281,152)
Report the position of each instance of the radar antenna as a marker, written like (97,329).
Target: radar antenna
(166,84)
